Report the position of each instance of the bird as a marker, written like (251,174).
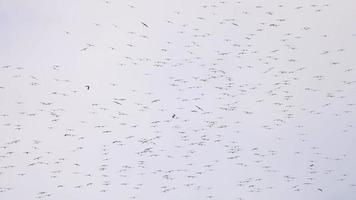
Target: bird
(199,108)
(144,24)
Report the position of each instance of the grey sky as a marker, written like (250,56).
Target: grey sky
(242,100)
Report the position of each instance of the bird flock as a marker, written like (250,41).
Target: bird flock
(213,99)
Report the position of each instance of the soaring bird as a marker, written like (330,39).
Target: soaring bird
(144,24)
(199,108)
(87,86)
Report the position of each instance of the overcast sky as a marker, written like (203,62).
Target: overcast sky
(168,99)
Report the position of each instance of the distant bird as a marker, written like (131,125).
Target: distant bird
(199,108)
(320,189)
(144,24)
(173,116)
(87,86)
(117,102)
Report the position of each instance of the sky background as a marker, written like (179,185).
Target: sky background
(240,100)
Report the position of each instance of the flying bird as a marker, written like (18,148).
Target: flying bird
(144,24)
(199,108)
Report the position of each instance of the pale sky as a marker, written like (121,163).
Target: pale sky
(168,99)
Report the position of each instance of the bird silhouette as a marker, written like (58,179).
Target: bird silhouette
(144,24)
